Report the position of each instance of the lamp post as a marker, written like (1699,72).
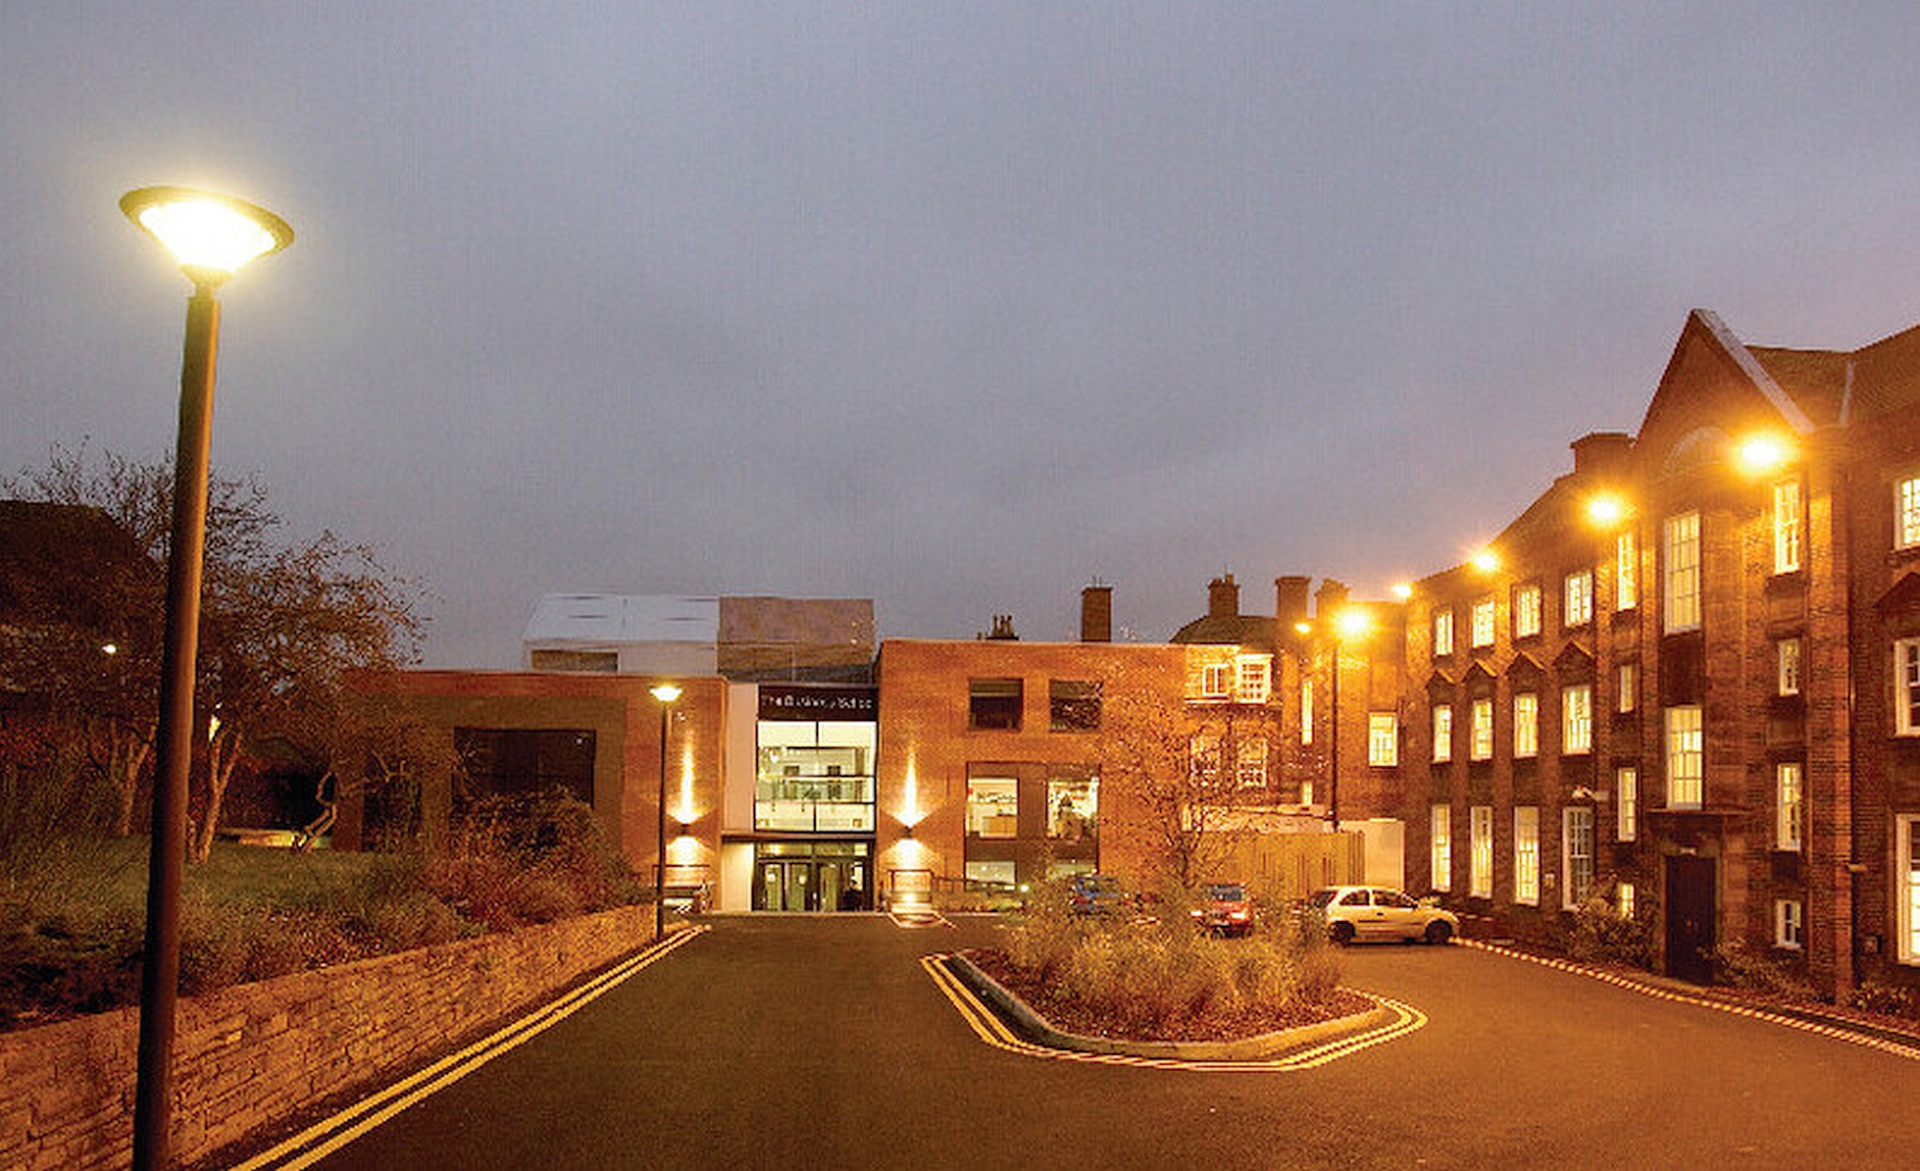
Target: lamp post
(666,693)
(212,237)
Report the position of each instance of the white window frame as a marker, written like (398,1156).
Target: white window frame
(1443,631)
(1214,680)
(1907,883)
(1577,854)
(1906,687)
(1250,767)
(1252,678)
(1626,803)
(1626,695)
(1577,599)
(1789,805)
(1440,853)
(1526,855)
(1906,513)
(1383,739)
(1306,711)
(1787,670)
(1480,730)
(1786,526)
(1686,757)
(1442,733)
(1526,725)
(1789,923)
(1626,571)
(1480,831)
(1484,616)
(1680,572)
(1526,610)
(1624,900)
(1576,719)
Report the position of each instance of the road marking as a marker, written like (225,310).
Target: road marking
(915,920)
(330,1134)
(1836,1032)
(988,1026)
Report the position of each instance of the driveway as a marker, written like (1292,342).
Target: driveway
(811,1041)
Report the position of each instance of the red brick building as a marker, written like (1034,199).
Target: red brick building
(1687,678)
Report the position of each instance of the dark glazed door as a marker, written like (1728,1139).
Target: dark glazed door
(1690,918)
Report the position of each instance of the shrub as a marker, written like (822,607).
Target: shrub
(1742,967)
(1874,995)
(1600,934)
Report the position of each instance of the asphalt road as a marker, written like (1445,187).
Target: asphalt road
(810,1042)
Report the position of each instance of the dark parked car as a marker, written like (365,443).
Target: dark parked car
(1224,909)
(1097,894)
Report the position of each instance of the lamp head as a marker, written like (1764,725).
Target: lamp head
(665,692)
(1606,509)
(1763,452)
(1353,622)
(1486,560)
(212,236)
(1403,590)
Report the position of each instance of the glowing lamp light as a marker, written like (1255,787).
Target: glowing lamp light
(212,236)
(1403,590)
(1303,628)
(110,649)
(1606,509)
(1486,561)
(1353,623)
(1763,453)
(665,692)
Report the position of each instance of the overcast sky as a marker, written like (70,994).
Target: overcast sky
(954,306)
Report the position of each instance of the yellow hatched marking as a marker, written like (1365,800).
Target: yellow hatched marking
(991,1029)
(1836,1032)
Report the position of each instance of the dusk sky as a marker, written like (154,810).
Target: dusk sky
(953,306)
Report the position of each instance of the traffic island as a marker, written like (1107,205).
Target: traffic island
(1030,1026)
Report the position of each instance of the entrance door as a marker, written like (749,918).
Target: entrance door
(1691,902)
(784,886)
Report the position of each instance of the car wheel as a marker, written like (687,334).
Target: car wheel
(1439,931)
(1341,933)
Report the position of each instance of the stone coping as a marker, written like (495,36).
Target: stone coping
(1266,1046)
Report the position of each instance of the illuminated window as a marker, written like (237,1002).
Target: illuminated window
(1481,846)
(1789,806)
(1442,733)
(1250,769)
(1626,804)
(1526,855)
(1443,632)
(1073,808)
(994,704)
(1576,719)
(1440,867)
(1686,758)
(1786,923)
(993,807)
(1480,730)
(1526,725)
(1306,711)
(1906,514)
(1786,526)
(1623,899)
(1204,757)
(1579,599)
(1576,854)
(1483,622)
(1383,739)
(1526,611)
(1682,591)
(1627,694)
(1906,687)
(1626,572)
(1214,678)
(1786,655)
(1253,678)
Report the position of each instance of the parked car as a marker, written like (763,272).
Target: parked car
(1380,912)
(1224,909)
(1097,894)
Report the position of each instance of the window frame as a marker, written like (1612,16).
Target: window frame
(1789,805)
(1626,571)
(1906,512)
(1907,887)
(1788,665)
(1306,712)
(1443,631)
(1526,725)
(1480,845)
(1527,609)
(1216,680)
(1577,827)
(1442,720)
(1252,678)
(1576,599)
(975,694)
(1685,789)
(1074,705)
(1250,757)
(1485,620)
(1383,739)
(1576,719)
(1626,803)
(1480,729)
(1789,924)
(1626,684)
(1906,686)
(1526,855)
(1440,846)
(1012,785)
(1787,526)
(1680,572)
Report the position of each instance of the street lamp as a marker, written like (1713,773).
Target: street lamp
(666,693)
(212,237)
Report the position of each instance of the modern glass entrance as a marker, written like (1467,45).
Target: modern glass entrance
(812,876)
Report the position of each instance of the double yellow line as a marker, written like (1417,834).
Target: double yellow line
(991,1029)
(330,1134)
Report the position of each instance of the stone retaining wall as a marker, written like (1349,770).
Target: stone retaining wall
(256,1054)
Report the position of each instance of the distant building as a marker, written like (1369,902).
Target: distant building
(744,639)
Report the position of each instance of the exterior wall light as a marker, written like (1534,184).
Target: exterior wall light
(1606,509)
(1763,453)
(1403,590)
(1485,560)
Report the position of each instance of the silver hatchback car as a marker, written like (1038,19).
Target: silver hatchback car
(1379,912)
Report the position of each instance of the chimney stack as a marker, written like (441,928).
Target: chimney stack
(1601,453)
(1331,598)
(1223,598)
(1096,613)
(1290,595)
